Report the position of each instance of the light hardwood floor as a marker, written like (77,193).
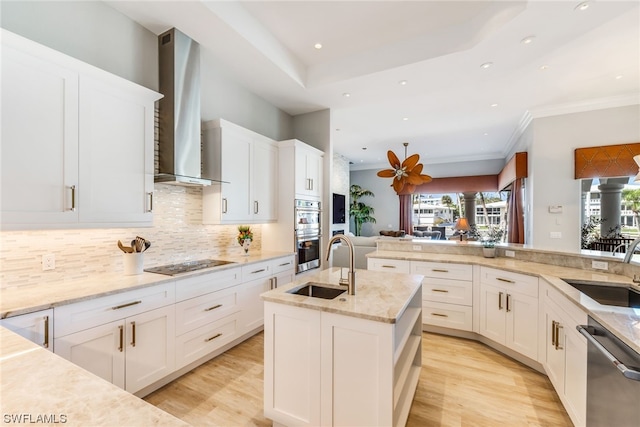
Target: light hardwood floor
(462,383)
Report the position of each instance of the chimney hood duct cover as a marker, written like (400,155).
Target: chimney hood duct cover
(180,140)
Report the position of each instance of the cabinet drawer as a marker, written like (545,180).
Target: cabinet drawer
(195,286)
(447,291)
(393,265)
(442,270)
(87,314)
(447,315)
(283,264)
(196,312)
(512,282)
(201,341)
(256,271)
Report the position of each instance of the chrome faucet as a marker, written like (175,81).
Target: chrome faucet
(630,250)
(351,280)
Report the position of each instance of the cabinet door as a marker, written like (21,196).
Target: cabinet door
(575,375)
(116,154)
(492,313)
(555,355)
(36,327)
(302,185)
(99,350)
(39,151)
(235,169)
(264,178)
(314,174)
(522,324)
(150,347)
(252,315)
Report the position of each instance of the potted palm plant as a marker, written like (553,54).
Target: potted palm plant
(360,212)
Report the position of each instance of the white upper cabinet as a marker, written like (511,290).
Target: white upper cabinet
(308,172)
(77,142)
(246,163)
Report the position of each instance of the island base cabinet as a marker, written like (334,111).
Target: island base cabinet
(292,365)
(131,353)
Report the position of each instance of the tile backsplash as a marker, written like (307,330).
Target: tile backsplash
(177,235)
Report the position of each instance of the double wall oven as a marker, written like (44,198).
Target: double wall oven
(307,234)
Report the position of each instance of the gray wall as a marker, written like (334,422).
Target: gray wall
(386,204)
(95,33)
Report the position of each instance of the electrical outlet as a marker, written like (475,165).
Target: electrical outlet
(555,235)
(48,262)
(599,265)
(417,247)
(510,254)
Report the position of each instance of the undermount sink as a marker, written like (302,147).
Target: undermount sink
(605,294)
(318,290)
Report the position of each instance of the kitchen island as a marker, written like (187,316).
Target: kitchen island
(350,360)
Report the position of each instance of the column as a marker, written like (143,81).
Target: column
(586,189)
(610,199)
(470,207)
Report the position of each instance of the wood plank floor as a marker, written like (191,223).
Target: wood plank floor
(462,383)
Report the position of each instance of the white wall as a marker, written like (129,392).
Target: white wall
(386,204)
(551,168)
(340,183)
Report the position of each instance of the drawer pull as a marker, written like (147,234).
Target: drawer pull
(213,337)
(120,348)
(505,280)
(259,271)
(500,300)
(118,307)
(439,315)
(440,290)
(45,344)
(388,266)
(213,308)
(286,263)
(439,270)
(133,334)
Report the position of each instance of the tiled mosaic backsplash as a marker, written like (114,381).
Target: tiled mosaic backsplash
(177,235)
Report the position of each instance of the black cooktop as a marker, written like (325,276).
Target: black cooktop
(186,267)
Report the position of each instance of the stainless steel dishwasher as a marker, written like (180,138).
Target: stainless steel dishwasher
(613,379)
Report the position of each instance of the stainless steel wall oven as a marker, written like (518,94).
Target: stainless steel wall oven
(307,234)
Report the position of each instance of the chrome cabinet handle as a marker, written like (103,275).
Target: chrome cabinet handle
(133,334)
(150,208)
(508,300)
(118,307)
(224,205)
(45,344)
(628,373)
(213,308)
(121,338)
(73,198)
(505,280)
(500,300)
(213,337)
(256,207)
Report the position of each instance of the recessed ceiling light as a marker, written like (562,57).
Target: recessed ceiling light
(486,134)
(346,94)
(619,76)
(494,105)
(361,161)
(582,6)
(527,40)
(544,67)
(405,118)
(403,82)
(318,45)
(486,65)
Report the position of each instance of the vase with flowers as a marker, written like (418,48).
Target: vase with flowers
(489,239)
(245,237)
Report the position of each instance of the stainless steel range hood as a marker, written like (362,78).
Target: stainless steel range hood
(180,141)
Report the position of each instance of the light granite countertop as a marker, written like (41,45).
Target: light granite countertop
(379,296)
(39,387)
(29,298)
(624,322)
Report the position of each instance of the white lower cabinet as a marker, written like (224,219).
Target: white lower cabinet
(131,353)
(566,353)
(509,310)
(324,368)
(37,327)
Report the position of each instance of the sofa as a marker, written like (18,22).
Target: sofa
(362,246)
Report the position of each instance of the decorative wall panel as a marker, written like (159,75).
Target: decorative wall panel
(607,161)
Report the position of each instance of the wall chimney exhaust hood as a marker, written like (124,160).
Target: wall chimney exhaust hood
(179,152)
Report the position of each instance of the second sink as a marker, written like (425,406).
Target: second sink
(317,290)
